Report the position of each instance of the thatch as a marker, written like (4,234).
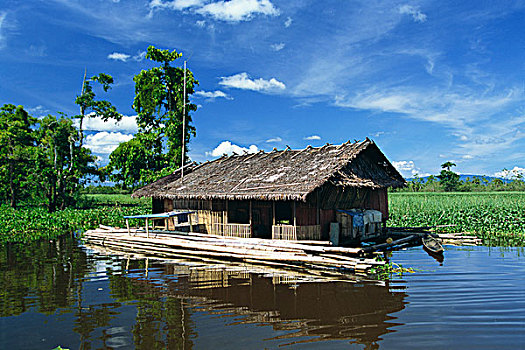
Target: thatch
(279,175)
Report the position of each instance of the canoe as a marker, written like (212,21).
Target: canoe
(432,244)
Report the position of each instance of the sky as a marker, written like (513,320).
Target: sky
(428,81)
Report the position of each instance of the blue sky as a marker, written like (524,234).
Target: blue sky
(429,81)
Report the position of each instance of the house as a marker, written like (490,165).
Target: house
(284,194)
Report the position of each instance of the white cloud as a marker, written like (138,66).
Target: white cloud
(277,47)
(226,147)
(407,168)
(416,14)
(139,56)
(288,22)
(38,111)
(212,95)
(200,24)
(274,139)
(238,10)
(124,57)
(175,4)
(128,124)
(313,137)
(244,82)
(511,174)
(117,56)
(3,15)
(105,142)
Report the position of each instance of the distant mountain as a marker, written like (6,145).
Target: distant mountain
(464,177)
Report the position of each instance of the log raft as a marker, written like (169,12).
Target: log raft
(303,256)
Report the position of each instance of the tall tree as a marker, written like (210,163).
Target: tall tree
(160,101)
(16,151)
(448,179)
(61,163)
(91,106)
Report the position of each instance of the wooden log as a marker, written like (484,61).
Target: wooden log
(207,249)
(320,262)
(259,242)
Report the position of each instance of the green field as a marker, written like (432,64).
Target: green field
(497,217)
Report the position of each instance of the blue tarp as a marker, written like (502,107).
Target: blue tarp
(357,217)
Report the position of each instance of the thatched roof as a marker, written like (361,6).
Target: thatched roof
(279,175)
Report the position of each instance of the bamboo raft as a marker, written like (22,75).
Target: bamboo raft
(306,256)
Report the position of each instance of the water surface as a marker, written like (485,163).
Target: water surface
(57,293)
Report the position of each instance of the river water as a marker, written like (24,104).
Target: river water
(59,293)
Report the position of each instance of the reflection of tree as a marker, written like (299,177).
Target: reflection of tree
(161,322)
(92,317)
(45,274)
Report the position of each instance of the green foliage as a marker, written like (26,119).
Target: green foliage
(90,106)
(137,161)
(498,218)
(34,223)
(60,162)
(16,153)
(449,179)
(159,101)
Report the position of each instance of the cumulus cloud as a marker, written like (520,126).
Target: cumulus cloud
(128,124)
(277,47)
(118,56)
(238,10)
(212,95)
(244,82)
(514,173)
(274,139)
(200,24)
(105,142)
(226,147)
(416,14)
(288,22)
(407,168)
(124,57)
(313,137)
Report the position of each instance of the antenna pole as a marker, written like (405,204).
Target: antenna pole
(183,122)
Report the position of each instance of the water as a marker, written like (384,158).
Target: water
(57,293)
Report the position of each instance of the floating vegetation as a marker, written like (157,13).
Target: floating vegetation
(496,217)
(33,223)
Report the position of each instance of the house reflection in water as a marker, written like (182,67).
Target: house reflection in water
(312,311)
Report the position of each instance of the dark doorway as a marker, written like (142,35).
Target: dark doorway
(262,219)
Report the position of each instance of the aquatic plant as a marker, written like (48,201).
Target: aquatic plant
(496,217)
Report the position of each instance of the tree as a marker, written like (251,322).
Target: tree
(16,151)
(61,162)
(136,161)
(448,179)
(90,106)
(159,101)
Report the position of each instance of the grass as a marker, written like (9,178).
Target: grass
(496,217)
